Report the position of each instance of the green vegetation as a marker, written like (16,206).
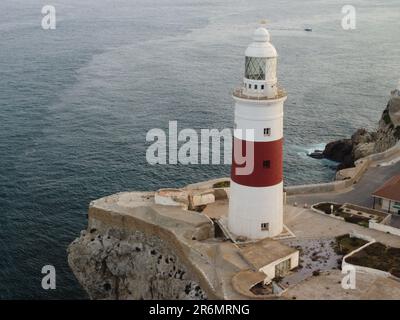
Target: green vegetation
(338,211)
(345,244)
(361,221)
(378,256)
(386,117)
(222,184)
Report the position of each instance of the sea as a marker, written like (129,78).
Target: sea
(76,103)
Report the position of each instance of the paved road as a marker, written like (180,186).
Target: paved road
(359,194)
(395,221)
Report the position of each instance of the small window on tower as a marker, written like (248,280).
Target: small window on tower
(264,226)
(266,164)
(262,87)
(249,86)
(255,87)
(267,131)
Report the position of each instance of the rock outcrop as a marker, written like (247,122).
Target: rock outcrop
(340,151)
(136,249)
(129,265)
(364,143)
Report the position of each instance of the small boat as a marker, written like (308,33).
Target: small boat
(317,154)
(308,29)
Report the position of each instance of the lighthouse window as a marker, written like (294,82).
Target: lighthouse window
(267,131)
(262,87)
(264,226)
(255,87)
(266,164)
(255,68)
(249,86)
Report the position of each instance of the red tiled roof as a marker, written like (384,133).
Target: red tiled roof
(390,190)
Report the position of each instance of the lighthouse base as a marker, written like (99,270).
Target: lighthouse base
(256,212)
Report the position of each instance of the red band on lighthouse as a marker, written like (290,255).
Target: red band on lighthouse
(268,167)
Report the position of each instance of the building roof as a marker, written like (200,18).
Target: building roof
(265,252)
(244,280)
(390,190)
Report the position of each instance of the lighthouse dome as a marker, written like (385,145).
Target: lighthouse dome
(261,47)
(261,35)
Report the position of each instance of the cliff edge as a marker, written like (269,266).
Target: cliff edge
(125,254)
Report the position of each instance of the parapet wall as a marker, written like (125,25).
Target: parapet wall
(315,188)
(384,228)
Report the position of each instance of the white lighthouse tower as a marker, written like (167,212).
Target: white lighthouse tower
(256,196)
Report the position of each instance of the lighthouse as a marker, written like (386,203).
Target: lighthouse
(256,193)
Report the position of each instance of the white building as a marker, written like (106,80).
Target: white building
(256,196)
(387,197)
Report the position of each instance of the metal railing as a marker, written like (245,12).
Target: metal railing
(239,92)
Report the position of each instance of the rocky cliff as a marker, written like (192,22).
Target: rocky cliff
(130,265)
(364,143)
(131,250)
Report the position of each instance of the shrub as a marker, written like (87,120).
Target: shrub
(395,252)
(222,184)
(344,244)
(355,219)
(386,117)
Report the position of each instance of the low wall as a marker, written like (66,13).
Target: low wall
(315,188)
(387,220)
(368,211)
(360,268)
(384,228)
(354,234)
(325,214)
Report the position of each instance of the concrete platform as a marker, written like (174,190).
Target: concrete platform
(327,286)
(307,224)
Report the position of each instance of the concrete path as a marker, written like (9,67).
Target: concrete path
(328,286)
(395,221)
(307,224)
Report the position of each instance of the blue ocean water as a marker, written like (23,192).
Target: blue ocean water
(76,103)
